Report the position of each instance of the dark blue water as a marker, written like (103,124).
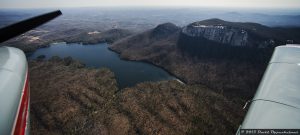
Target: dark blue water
(128,73)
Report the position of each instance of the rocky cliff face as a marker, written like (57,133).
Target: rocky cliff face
(240,33)
(218,33)
(197,59)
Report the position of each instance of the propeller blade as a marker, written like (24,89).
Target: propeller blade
(26,25)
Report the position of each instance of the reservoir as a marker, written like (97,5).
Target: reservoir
(128,73)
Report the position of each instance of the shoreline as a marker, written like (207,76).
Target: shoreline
(178,79)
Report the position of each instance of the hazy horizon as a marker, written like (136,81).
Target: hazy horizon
(268,4)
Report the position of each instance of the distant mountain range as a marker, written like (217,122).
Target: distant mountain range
(273,20)
(139,19)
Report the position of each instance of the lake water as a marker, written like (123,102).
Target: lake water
(128,73)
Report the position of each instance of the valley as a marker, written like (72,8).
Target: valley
(221,63)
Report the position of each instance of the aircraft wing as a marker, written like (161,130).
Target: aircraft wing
(276,104)
(14,82)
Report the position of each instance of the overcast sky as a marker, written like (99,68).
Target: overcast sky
(85,3)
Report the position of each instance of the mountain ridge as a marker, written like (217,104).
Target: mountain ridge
(231,70)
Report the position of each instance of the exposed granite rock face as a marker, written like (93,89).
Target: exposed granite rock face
(235,33)
(218,33)
(232,78)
